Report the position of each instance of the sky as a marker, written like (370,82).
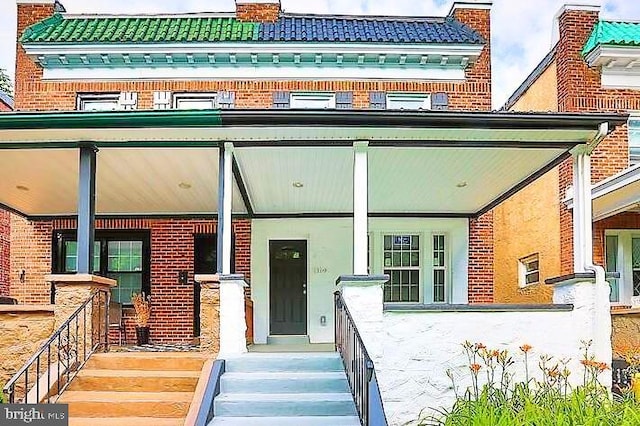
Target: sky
(521,29)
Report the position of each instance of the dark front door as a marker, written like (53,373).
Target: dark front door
(288,287)
(204,262)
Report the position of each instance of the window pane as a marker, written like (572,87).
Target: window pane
(124,256)
(99,105)
(71,256)
(312,100)
(128,283)
(611,265)
(408,101)
(401,259)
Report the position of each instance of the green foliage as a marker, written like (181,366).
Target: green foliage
(6,85)
(551,401)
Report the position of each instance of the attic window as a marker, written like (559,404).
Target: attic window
(313,100)
(98,102)
(409,101)
(194,101)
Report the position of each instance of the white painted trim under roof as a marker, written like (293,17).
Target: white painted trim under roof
(470,50)
(609,187)
(254,73)
(35,1)
(619,66)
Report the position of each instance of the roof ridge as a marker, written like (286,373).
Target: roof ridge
(149,15)
(366,17)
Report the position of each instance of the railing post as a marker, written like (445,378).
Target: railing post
(362,295)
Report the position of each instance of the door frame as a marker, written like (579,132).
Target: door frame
(307,272)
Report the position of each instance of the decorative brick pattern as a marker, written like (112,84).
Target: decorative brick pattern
(481,259)
(258,12)
(171,252)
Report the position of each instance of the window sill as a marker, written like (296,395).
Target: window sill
(420,307)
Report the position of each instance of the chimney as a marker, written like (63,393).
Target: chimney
(29,13)
(573,24)
(476,14)
(258,10)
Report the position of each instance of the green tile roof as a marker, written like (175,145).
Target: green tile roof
(613,33)
(57,29)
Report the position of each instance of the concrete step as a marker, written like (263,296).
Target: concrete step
(161,361)
(270,362)
(127,404)
(125,421)
(277,405)
(284,382)
(135,381)
(287,421)
(287,340)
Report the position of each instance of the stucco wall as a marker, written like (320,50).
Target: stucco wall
(525,224)
(329,245)
(419,346)
(542,95)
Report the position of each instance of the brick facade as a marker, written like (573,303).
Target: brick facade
(172,250)
(580,90)
(172,239)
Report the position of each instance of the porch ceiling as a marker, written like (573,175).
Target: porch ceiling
(44,182)
(290,162)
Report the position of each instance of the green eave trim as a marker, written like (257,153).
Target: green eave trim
(617,34)
(110,119)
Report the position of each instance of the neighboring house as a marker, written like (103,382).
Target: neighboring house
(592,67)
(6,102)
(284,152)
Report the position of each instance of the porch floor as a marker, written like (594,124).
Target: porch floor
(304,347)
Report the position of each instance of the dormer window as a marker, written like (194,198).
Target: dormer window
(408,101)
(313,100)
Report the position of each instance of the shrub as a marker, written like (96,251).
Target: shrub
(494,398)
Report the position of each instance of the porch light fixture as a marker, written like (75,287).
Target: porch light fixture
(22,188)
(298,184)
(462,184)
(184,185)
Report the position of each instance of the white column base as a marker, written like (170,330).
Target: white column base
(363,296)
(233,326)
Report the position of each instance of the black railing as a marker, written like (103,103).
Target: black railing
(50,370)
(359,367)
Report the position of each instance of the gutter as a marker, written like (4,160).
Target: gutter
(298,118)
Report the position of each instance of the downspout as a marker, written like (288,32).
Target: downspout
(603,131)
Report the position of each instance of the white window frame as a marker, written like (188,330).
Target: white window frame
(195,97)
(420,268)
(446,268)
(625,264)
(85,99)
(523,273)
(300,100)
(409,101)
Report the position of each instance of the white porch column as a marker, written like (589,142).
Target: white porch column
(360,207)
(233,324)
(227,209)
(582,221)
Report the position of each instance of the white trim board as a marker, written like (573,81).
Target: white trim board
(252,73)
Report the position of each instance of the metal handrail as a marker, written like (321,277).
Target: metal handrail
(359,366)
(67,350)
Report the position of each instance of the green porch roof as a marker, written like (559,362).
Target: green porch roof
(57,29)
(613,34)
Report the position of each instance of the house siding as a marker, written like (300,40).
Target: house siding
(578,89)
